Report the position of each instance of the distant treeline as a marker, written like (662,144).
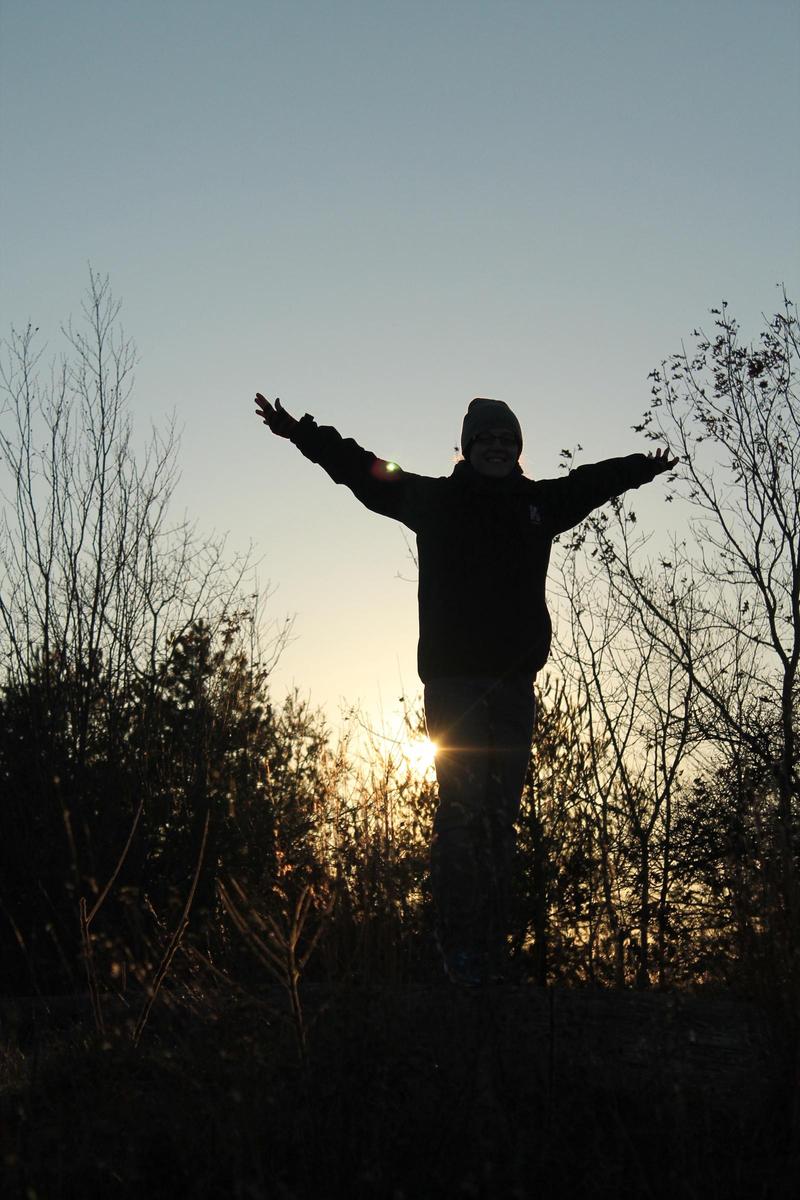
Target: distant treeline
(164,824)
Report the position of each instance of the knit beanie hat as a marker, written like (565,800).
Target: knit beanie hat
(485,414)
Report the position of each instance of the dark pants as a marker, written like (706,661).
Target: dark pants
(482,729)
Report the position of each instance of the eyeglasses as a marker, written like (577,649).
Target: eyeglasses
(488,439)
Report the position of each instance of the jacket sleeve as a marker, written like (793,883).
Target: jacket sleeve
(383,486)
(567,501)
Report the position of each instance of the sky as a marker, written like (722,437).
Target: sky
(377,210)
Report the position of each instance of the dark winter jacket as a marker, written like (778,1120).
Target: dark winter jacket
(483,547)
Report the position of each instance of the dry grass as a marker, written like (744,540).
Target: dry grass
(404,1093)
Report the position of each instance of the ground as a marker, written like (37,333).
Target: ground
(402,1093)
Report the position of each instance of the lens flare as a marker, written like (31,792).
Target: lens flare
(385,471)
(419,754)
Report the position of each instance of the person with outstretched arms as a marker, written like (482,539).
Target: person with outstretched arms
(484,534)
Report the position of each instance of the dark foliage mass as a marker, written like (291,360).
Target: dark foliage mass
(180,852)
(406,1093)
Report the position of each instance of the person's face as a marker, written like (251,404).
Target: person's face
(494,453)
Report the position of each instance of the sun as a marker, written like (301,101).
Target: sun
(419,753)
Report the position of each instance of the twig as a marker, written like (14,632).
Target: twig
(112,880)
(91,973)
(169,953)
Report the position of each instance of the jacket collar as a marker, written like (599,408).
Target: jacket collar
(465,475)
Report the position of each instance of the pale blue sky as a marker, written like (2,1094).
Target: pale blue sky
(378,210)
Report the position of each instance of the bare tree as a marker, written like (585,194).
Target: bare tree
(636,703)
(97,581)
(722,602)
(94,572)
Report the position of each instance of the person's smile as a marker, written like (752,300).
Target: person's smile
(494,453)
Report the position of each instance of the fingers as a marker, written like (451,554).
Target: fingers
(276,418)
(264,409)
(663,459)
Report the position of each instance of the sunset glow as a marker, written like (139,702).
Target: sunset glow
(419,754)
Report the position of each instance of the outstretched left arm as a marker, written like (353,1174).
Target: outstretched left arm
(570,499)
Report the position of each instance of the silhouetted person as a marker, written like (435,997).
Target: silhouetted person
(484,534)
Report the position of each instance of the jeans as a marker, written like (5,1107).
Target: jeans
(482,729)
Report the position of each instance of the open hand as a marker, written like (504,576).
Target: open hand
(275,416)
(663,461)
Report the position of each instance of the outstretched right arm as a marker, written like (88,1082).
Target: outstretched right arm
(380,485)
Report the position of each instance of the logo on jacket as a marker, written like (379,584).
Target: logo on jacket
(536,516)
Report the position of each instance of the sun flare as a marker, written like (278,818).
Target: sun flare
(419,754)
